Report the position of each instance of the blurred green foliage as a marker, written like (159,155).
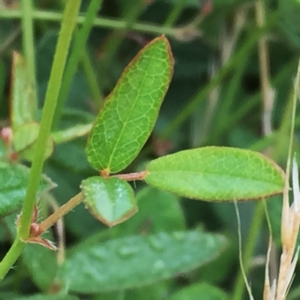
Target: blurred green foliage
(214,99)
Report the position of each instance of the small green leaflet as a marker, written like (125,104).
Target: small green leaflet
(110,200)
(13,185)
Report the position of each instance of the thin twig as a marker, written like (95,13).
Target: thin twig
(268,93)
(60,212)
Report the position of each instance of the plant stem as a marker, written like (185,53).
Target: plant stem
(175,12)
(51,97)
(11,257)
(250,103)
(98,22)
(78,48)
(132,176)
(64,209)
(267,91)
(68,24)
(112,45)
(60,212)
(294,294)
(249,248)
(204,91)
(91,79)
(28,44)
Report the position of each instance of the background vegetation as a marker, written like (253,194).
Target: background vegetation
(234,69)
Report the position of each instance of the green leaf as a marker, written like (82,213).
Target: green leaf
(25,135)
(13,185)
(137,260)
(2,81)
(216,174)
(9,295)
(2,150)
(274,206)
(224,263)
(130,111)
(151,292)
(24,140)
(23,106)
(158,211)
(48,297)
(71,133)
(203,291)
(192,3)
(71,156)
(37,259)
(289,12)
(111,200)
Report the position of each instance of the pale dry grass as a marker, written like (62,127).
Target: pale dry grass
(290,222)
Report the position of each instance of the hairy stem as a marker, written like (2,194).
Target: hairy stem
(78,49)
(132,176)
(68,24)
(60,212)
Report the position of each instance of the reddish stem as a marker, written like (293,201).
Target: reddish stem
(132,176)
(60,212)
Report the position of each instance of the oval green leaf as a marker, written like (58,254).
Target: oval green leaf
(25,135)
(130,111)
(24,141)
(48,297)
(37,259)
(138,260)
(23,105)
(71,133)
(13,185)
(206,290)
(158,211)
(216,174)
(110,200)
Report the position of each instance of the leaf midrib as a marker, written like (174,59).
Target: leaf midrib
(211,174)
(128,117)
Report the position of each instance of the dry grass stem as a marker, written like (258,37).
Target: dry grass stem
(289,232)
(60,232)
(268,93)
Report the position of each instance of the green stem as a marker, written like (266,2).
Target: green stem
(28,43)
(61,211)
(294,294)
(224,113)
(67,27)
(249,248)
(11,257)
(98,22)
(68,24)
(77,50)
(2,82)
(204,91)
(132,176)
(287,126)
(250,103)
(175,12)
(91,78)
(113,44)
